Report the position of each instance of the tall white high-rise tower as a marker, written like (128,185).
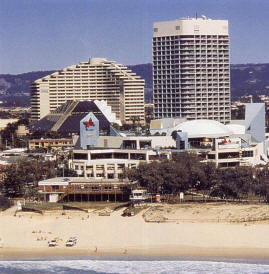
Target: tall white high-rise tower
(191,69)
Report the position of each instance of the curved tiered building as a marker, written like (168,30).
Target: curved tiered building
(97,79)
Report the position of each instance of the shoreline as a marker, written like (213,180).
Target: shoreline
(161,253)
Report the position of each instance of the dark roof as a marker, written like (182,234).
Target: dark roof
(46,123)
(84,107)
(63,108)
(72,123)
(71,118)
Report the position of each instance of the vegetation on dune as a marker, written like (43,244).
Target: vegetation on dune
(185,172)
(4,203)
(21,178)
(85,205)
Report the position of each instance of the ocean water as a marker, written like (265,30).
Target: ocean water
(129,266)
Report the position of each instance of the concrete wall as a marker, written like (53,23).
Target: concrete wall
(156,141)
(191,26)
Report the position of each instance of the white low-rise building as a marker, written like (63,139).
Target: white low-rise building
(216,142)
(111,163)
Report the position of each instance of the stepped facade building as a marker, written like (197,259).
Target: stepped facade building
(191,69)
(97,79)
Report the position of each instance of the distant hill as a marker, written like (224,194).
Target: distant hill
(14,89)
(144,71)
(246,79)
(249,79)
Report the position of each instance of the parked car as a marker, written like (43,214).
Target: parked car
(53,243)
(71,241)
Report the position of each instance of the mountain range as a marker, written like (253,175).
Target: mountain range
(246,79)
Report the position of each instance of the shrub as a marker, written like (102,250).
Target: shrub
(4,203)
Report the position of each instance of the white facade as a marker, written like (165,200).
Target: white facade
(106,110)
(191,69)
(111,163)
(232,151)
(136,142)
(97,79)
(222,144)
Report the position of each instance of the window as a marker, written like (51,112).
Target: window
(177,27)
(145,144)
(138,156)
(95,156)
(228,155)
(110,176)
(81,156)
(155,29)
(182,145)
(211,156)
(229,164)
(247,153)
(120,155)
(55,188)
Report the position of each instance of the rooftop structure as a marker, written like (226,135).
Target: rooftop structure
(225,145)
(67,117)
(97,79)
(202,128)
(191,69)
(241,142)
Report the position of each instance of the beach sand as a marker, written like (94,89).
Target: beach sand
(189,230)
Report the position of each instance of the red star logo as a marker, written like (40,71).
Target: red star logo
(88,123)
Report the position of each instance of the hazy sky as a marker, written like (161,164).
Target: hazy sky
(52,34)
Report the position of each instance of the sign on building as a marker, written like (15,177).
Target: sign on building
(89,131)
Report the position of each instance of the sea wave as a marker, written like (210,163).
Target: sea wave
(103,266)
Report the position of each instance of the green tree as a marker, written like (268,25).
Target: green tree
(66,172)
(261,186)
(4,203)
(148,176)
(22,177)
(179,174)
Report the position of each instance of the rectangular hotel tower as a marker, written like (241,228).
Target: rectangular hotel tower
(191,69)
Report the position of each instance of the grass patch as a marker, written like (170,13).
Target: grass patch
(85,205)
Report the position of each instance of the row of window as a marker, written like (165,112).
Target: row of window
(177,37)
(114,155)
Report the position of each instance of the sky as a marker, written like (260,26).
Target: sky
(53,34)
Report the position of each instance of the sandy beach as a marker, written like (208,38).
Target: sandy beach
(192,230)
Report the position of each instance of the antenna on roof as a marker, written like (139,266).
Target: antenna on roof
(196,15)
